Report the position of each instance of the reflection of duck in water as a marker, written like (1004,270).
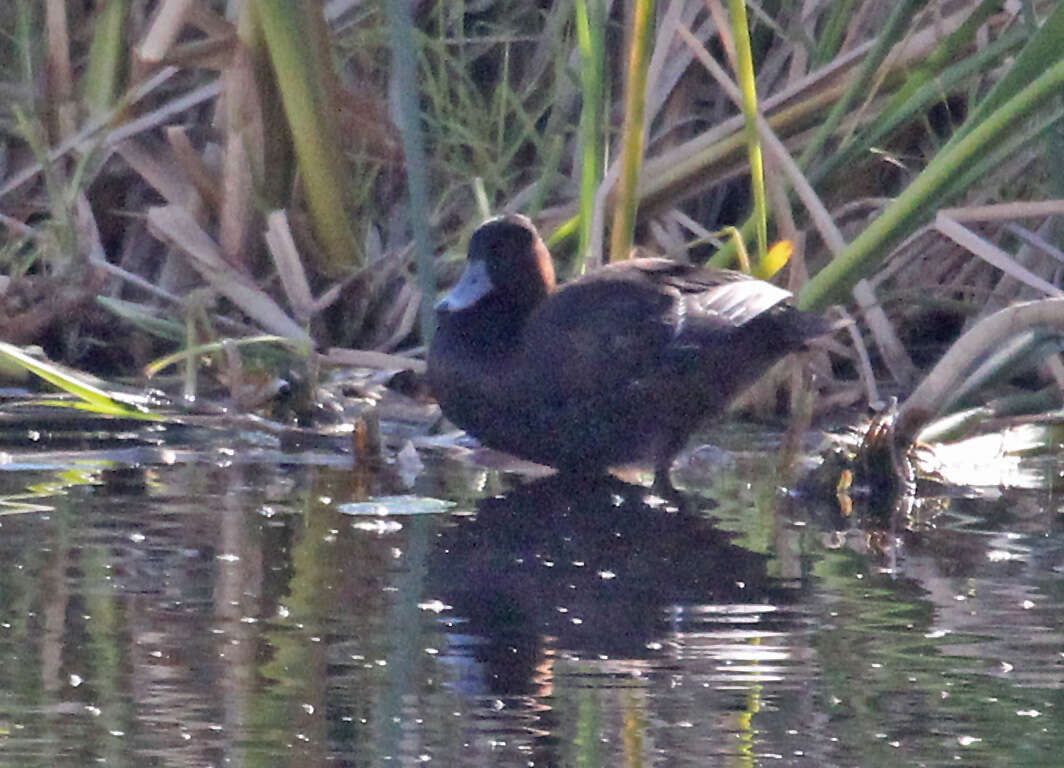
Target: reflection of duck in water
(588,564)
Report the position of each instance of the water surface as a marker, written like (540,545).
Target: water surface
(239,606)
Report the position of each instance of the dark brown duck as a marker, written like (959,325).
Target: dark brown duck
(617,367)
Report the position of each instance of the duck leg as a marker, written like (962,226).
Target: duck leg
(663,482)
(671,446)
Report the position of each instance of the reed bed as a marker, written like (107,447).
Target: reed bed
(178,174)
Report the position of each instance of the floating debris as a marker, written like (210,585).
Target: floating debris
(396,505)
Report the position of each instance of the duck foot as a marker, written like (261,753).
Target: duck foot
(663,487)
(683,500)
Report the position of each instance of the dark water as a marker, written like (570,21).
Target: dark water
(225,607)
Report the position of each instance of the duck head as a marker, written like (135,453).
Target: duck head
(508,263)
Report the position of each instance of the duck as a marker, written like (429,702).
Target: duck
(615,368)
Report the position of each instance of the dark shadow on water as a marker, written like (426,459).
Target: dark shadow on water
(597,568)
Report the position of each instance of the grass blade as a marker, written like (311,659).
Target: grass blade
(190,353)
(94,398)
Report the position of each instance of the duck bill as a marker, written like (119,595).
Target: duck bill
(474,285)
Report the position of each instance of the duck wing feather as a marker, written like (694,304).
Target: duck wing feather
(638,320)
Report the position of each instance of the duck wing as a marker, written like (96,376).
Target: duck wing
(717,295)
(630,324)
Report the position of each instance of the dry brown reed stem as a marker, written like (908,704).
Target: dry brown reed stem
(193,165)
(1006,211)
(863,362)
(243,158)
(942,384)
(991,253)
(174,224)
(164,30)
(60,73)
(157,169)
(895,357)
(95,131)
(369,359)
(282,247)
(1037,239)
(366,438)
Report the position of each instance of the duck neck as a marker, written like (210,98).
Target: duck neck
(492,329)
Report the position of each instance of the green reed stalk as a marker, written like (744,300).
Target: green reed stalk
(916,102)
(91,397)
(297,37)
(745,65)
(838,16)
(590,25)
(929,189)
(404,59)
(946,53)
(105,57)
(1040,53)
(892,32)
(623,229)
